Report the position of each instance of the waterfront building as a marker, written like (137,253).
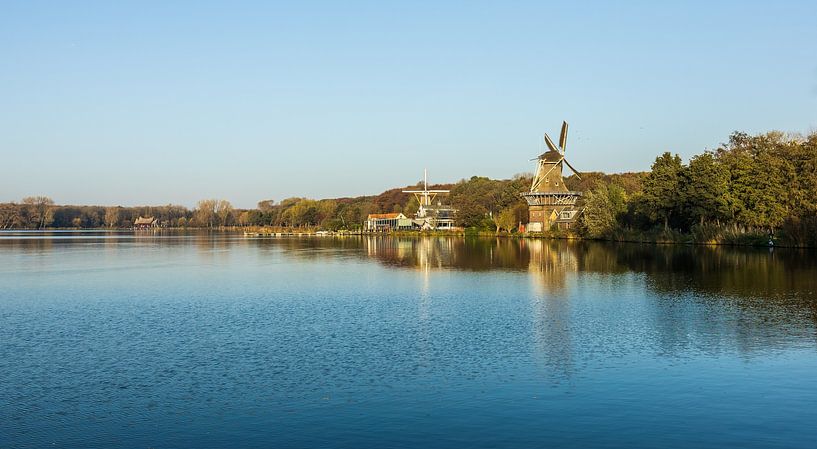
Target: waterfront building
(145,223)
(550,203)
(395,221)
(431,216)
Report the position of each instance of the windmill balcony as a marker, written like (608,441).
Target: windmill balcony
(552,198)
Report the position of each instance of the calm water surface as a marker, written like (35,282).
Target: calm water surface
(197,340)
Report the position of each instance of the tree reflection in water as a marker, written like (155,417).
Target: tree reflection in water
(660,299)
(709,298)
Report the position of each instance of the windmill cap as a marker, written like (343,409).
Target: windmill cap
(551,156)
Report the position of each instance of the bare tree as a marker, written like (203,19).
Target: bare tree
(10,215)
(224,211)
(40,210)
(112,217)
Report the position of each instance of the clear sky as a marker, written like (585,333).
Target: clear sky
(169,102)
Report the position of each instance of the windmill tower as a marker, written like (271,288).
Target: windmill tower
(549,201)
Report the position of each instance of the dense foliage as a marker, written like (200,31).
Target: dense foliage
(758,186)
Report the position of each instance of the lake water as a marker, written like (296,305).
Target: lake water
(215,340)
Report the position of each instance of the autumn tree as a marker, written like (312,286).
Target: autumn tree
(506,220)
(480,198)
(205,213)
(244,218)
(326,210)
(304,212)
(266,205)
(224,211)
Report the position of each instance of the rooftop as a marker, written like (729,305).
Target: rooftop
(391,216)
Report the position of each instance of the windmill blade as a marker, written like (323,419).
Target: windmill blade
(535,184)
(536,179)
(550,144)
(571,167)
(563,137)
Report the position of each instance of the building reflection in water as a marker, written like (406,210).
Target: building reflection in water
(417,253)
(549,265)
(671,297)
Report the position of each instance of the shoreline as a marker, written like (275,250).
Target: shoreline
(751,240)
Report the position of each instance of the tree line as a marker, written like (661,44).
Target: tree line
(752,185)
(480,202)
(40,212)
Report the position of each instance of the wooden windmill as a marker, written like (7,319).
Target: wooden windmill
(549,201)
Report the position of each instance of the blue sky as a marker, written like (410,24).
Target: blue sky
(170,102)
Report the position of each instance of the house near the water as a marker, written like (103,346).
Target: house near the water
(394,221)
(146,223)
(431,214)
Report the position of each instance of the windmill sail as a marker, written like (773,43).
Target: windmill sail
(550,144)
(563,137)
(571,167)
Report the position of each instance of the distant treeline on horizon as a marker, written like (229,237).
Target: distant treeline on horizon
(755,185)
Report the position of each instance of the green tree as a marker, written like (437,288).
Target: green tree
(661,189)
(761,176)
(602,206)
(506,220)
(411,207)
(479,198)
(705,189)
